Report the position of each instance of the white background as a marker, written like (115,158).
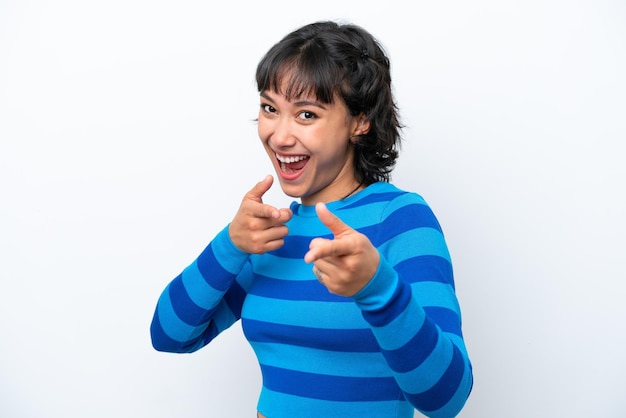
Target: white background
(127,142)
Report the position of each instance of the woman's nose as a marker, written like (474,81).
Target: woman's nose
(283,135)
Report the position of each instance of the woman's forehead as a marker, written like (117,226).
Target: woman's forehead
(296,83)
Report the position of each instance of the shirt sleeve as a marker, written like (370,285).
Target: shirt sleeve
(202,301)
(411,305)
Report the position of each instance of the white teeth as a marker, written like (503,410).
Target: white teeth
(293,159)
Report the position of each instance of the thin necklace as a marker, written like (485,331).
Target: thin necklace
(353,191)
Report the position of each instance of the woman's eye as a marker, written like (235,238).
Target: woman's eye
(268,108)
(306,115)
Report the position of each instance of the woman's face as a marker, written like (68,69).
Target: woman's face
(309,144)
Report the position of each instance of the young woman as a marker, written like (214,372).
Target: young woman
(347,297)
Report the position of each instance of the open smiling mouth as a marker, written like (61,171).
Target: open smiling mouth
(292,164)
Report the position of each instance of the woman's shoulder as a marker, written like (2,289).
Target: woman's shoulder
(393,194)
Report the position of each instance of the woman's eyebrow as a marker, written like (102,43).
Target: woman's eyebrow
(298,103)
(266,96)
(309,103)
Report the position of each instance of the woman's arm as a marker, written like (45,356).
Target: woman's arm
(413,310)
(203,300)
(207,296)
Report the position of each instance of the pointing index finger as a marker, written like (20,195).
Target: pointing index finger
(259,189)
(332,221)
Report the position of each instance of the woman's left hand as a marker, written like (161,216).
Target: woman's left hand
(346,263)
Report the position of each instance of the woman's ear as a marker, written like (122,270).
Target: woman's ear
(361,127)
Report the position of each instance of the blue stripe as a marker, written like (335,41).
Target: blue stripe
(367,219)
(245,277)
(222,319)
(307,226)
(350,340)
(297,245)
(160,340)
(426,268)
(374,198)
(184,308)
(413,354)
(280,405)
(311,290)
(457,401)
(430,371)
(413,243)
(311,360)
(435,294)
(208,266)
(283,268)
(441,393)
(402,329)
(332,388)
(331,315)
(234,298)
(413,216)
(229,258)
(198,289)
(446,319)
(171,323)
(397,304)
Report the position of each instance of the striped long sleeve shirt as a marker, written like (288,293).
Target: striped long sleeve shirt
(394,347)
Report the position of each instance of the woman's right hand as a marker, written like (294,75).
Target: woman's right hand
(258,228)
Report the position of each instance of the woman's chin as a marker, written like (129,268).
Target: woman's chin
(290,191)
